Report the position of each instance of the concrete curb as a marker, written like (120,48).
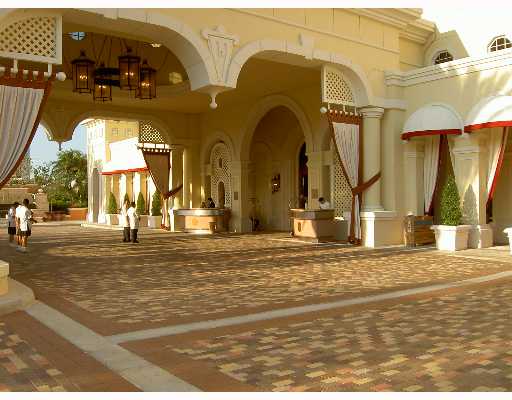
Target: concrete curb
(19,297)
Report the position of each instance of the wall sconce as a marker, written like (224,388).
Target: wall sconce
(276,183)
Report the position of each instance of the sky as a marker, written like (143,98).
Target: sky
(43,150)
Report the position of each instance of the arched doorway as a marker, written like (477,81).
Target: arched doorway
(278,172)
(95,194)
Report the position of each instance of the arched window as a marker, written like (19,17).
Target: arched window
(500,43)
(442,57)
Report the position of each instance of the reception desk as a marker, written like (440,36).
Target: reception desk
(315,225)
(202,220)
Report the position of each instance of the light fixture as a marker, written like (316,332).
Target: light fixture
(77,35)
(129,70)
(103,83)
(147,85)
(82,71)
(156,45)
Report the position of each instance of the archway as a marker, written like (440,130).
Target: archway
(274,168)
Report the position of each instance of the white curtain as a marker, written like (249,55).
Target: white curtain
(430,168)
(497,143)
(347,143)
(19,108)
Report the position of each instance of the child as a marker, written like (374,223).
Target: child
(134,219)
(24,218)
(11,223)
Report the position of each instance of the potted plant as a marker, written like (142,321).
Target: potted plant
(141,210)
(111,217)
(155,218)
(450,235)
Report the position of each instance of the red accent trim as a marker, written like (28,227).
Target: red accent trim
(491,124)
(498,167)
(431,132)
(122,171)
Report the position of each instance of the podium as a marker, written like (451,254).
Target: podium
(314,225)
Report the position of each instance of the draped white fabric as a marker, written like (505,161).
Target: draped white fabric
(19,108)
(347,143)
(497,139)
(430,168)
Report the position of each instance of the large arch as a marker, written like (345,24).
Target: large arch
(260,109)
(354,73)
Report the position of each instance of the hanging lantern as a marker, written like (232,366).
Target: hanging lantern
(129,70)
(102,84)
(82,69)
(147,86)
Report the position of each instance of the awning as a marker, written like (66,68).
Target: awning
(490,112)
(125,157)
(433,119)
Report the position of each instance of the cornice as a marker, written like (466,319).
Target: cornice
(397,17)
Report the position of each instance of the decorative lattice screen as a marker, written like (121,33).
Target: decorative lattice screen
(335,88)
(341,194)
(149,134)
(36,38)
(220,163)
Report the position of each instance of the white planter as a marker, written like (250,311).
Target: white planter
(154,222)
(451,238)
(111,219)
(508,232)
(480,237)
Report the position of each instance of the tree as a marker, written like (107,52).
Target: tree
(451,213)
(112,204)
(156,206)
(126,198)
(141,204)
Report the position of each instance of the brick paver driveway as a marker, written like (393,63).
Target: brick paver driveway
(116,287)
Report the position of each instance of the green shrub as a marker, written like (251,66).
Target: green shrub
(451,213)
(112,204)
(156,206)
(126,198)
(141,204)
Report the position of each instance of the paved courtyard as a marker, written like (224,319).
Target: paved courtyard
(142,298)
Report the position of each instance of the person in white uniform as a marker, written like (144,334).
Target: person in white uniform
(324,204)
(11,223)
(125,221)
(134,220)
(24,219)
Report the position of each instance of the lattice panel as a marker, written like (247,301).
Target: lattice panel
(220,163)
(335,89)
(341,194)
(149,134)
(36,37)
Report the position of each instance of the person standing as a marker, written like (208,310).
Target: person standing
(134,220)
(24,218)
(11,223)
(125,221)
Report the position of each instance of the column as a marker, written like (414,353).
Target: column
(177,174)
(413,177)
(241,206)
(315,164)
(371,156)
(187,178)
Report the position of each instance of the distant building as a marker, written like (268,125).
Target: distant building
(24,171)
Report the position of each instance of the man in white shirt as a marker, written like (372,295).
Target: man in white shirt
(133,219)
(24,220)
(11,223)
(324,204)
(124,221)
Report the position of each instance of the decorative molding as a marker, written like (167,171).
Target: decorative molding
(460,67)
(371,112)
(221,46)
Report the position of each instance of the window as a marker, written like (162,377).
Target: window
(500,43)
(77,35)
(443,57)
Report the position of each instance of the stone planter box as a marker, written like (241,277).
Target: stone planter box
(77,214)
(143,220)
(451,238)
(154,222)
(480,237)
(111,219)
(508,232)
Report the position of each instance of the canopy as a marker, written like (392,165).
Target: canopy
(495,111)
(125,157)
(433,119)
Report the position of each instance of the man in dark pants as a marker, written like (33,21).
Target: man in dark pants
(125,221)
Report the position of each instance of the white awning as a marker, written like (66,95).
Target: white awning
(432,119)
(124,157)
(490,112)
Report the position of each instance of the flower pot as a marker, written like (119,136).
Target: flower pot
(111,219)
(508,232)
(154,221)
(77,214)
(451,238)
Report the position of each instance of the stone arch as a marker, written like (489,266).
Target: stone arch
(353,72)
(261,109)
(211,141)
(48,127)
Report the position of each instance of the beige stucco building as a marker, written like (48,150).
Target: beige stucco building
(239,98)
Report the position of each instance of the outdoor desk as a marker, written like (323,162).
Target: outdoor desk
(315,224)
(198,220)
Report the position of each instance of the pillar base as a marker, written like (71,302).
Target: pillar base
(381,228)
(4,275)
(480,237)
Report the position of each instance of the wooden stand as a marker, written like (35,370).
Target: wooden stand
(417,230)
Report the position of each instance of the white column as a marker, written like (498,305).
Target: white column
(371,156)
(413,177)
(187,178)
(177,174)
(241,206)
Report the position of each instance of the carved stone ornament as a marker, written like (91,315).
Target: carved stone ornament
(221,46)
